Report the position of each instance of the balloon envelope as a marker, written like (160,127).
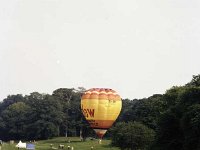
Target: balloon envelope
(101,107)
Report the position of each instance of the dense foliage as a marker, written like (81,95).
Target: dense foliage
(42,116)
(133,135)
(171,119)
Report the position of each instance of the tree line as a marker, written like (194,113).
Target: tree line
(42,116)
(169,121)
(159,122)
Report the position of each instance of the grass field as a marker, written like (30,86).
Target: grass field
(74,142)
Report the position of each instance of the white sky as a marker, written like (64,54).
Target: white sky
(136,47)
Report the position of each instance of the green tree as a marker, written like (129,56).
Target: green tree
(145,110)
(126,113)
(44,116)
(190,104)
(171,96)
(191,128)
(2,128)
(14,118)
(195,81)
(178,127)
(65,96)
(74,122)
(132,135)
(169,133)
(11,99)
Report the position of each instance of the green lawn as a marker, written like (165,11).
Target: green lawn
(74,141)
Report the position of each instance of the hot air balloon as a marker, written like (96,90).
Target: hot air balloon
(101,107)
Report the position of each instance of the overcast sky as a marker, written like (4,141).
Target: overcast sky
(136,47)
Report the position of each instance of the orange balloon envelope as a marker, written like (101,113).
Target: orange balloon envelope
(101,107)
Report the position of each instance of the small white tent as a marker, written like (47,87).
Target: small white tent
(21,145)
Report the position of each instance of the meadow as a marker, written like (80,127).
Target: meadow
(72,142)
